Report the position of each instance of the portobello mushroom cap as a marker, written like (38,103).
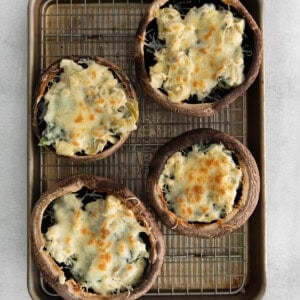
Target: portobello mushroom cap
(245,201)
(190,106)
(50,269)
(46,80)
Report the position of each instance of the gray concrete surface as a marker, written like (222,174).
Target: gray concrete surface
(282,61)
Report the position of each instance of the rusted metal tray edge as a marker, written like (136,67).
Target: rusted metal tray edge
(258,266)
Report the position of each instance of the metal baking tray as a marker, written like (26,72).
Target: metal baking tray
(231,267)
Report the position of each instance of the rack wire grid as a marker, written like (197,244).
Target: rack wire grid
(192,266)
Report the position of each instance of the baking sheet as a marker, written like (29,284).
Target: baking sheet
(233,266)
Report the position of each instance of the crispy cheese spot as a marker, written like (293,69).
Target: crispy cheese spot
(187,192)
(104,232)
(181,79)
(75,143)
(205,209)
(231,187)
(82,105)
(191,176)
(77,214)
(175,27)
(189,210)
(129,267)
(197,69)
(203,171)
(84,231)
(99,101)
(192,197)
(211,162)
(94,74)
(222,191)
(224,160)
(106,257)
(195,193)
(173,67)
(101,245)
(183,210)
(199,84)
(204,51)
(79,118)
(92,117)
(131,240)
(179,199)
(217,73)
(219,177)
(129,213)
(198,189)
(114,102)
(91,242)
(98,132)
(99,111)
(220,68)
(67,239)
(102,266)
(178,79)
(122,247)
(210,33)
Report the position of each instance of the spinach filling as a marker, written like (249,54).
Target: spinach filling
(51,134)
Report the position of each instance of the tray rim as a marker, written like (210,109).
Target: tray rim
(261,212)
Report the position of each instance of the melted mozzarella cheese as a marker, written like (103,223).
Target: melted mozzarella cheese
(86,109)
(100,244)
(200,50)
(201,186)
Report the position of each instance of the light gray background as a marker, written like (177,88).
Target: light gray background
(282,62)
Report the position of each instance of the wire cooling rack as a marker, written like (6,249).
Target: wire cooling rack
(192,266)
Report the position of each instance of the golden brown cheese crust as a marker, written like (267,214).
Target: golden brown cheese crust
(49,76)
(202,51)
(200,185)
(201,109)
(52,272)
(245,204)
(87,237)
